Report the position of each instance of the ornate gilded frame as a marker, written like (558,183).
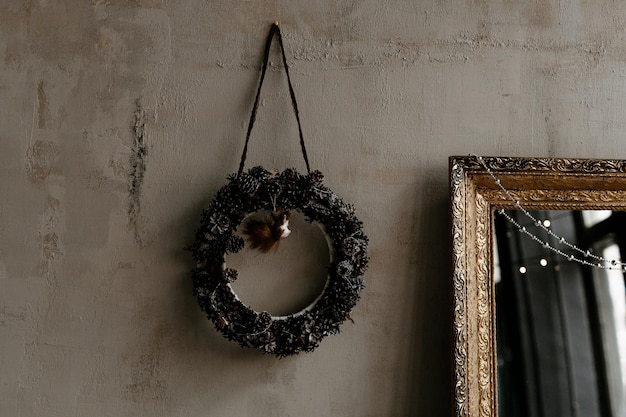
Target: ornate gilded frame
(537,183)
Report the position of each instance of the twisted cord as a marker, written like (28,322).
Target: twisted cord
(274,30)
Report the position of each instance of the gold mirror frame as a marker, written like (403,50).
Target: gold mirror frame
(537,183)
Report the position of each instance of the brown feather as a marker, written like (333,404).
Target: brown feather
(265,235)
(259,235)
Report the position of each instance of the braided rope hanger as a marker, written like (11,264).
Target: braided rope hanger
(275,30)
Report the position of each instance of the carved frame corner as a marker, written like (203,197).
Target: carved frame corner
(538,183)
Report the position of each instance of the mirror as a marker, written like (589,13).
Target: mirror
(560,322)
(547,185)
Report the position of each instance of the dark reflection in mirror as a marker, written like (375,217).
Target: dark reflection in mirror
(560,325)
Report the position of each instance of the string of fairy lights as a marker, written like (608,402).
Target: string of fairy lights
(579,255)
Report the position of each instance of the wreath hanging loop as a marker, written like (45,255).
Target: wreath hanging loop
(274,30)
(280,193)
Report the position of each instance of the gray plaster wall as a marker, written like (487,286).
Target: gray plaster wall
(120,119)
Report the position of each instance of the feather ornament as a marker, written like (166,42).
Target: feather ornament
(265,234)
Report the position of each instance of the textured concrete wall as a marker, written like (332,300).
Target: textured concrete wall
(120,119)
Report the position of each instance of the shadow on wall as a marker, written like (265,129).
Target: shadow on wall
(432,365)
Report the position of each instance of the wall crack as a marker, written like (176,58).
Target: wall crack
(138,157)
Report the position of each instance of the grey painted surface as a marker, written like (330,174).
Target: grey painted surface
(119,120)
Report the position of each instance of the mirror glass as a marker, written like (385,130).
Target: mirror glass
(560,319)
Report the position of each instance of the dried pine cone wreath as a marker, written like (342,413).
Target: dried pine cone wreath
(279,193)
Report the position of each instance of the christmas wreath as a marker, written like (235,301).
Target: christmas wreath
(257,190)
